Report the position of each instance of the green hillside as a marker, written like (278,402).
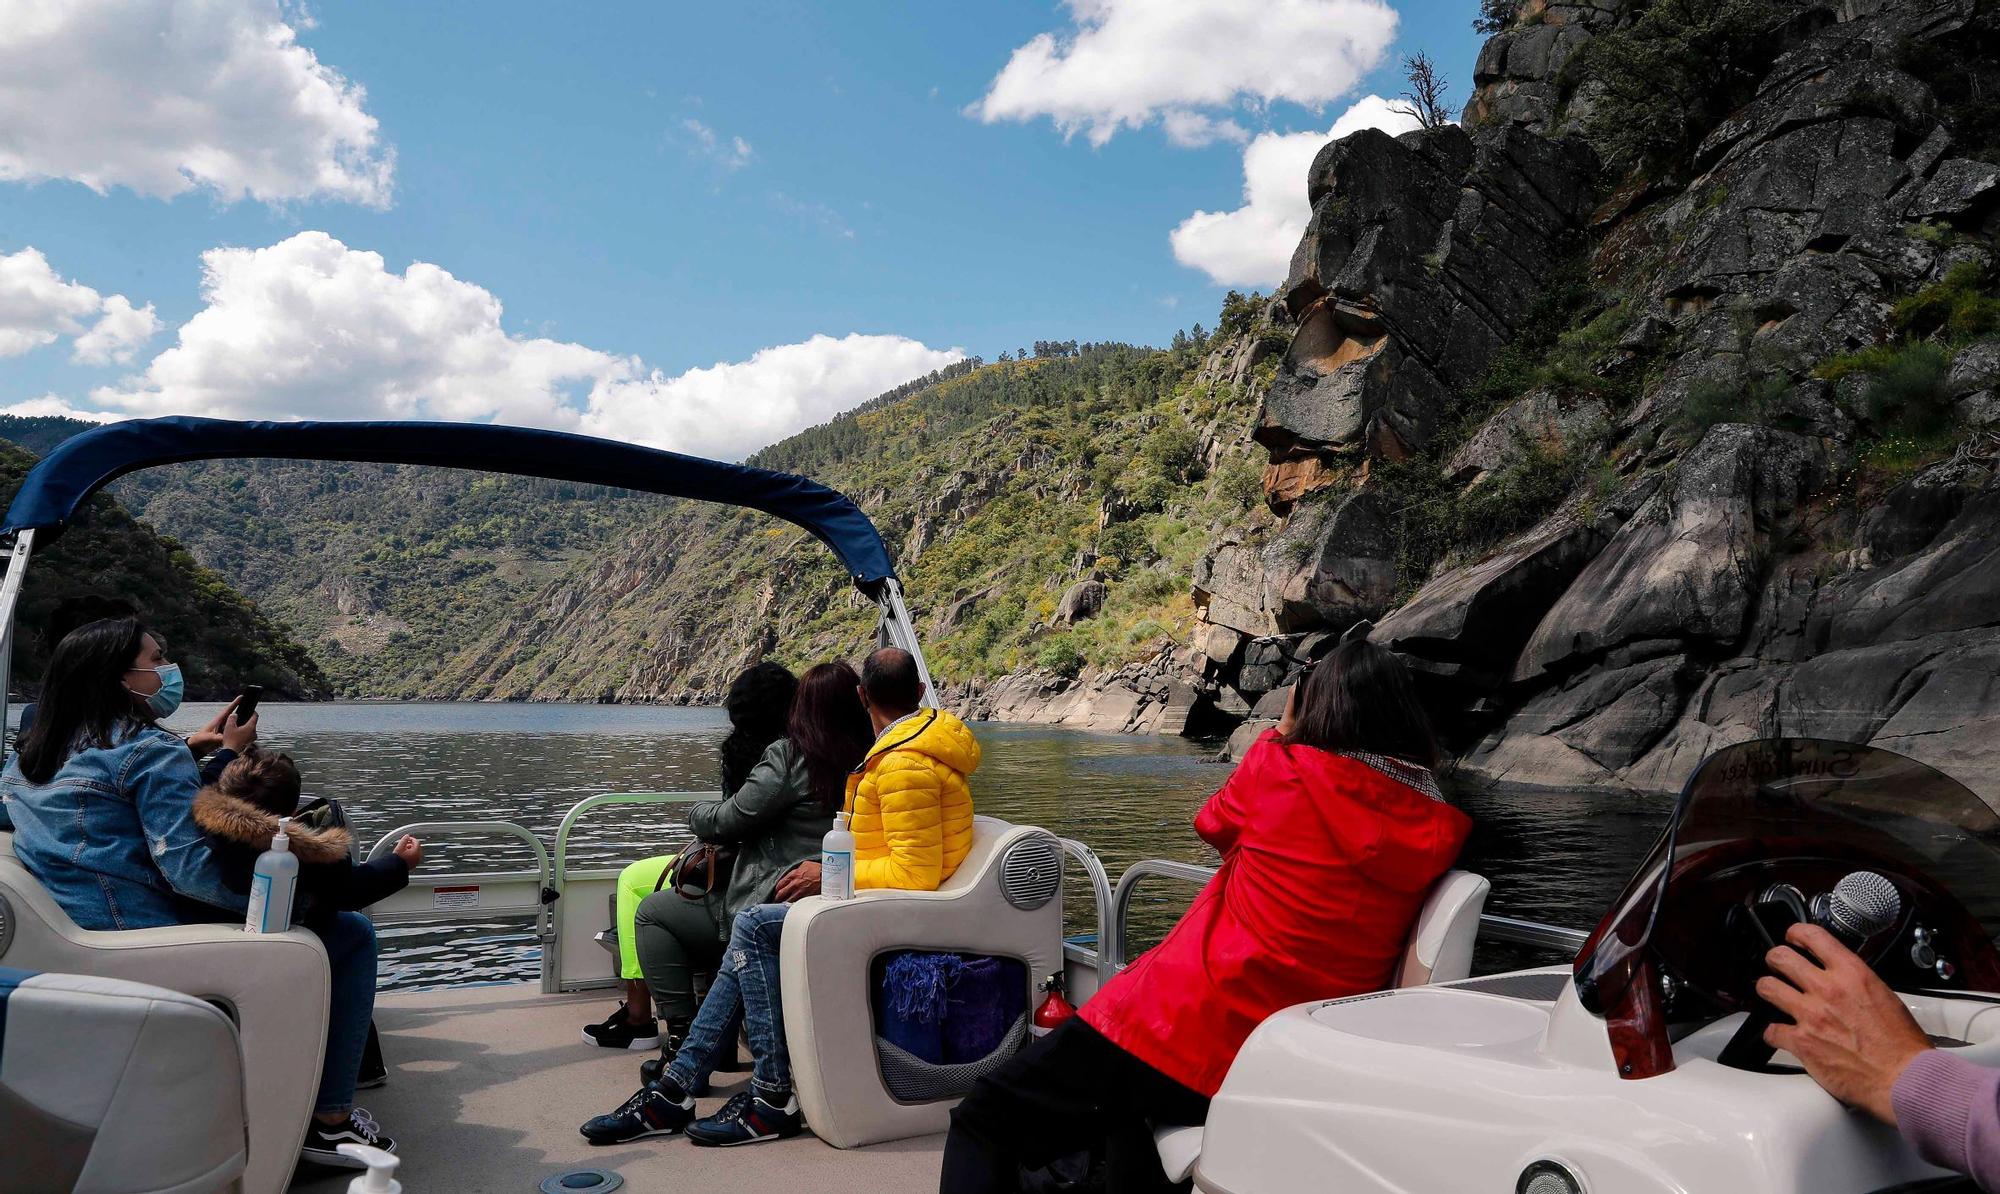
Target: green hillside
(220,638)
(997,487)
(386,572)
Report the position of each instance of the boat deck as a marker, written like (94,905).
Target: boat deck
(487,1087)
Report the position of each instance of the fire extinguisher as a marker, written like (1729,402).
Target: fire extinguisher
(1054,1010)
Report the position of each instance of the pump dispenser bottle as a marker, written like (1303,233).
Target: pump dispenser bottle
(836,861)
(380,1178)
(273,881)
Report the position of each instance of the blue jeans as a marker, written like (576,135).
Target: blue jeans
(350,952)
(747,985)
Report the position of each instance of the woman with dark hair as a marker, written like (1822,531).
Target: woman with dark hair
(102,802)
(1332,830)
(777,820)
(758,702)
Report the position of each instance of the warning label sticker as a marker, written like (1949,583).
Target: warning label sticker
(455,897)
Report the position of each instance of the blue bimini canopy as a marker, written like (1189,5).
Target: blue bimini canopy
(80,466)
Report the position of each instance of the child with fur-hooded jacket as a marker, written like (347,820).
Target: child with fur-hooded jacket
(239,812)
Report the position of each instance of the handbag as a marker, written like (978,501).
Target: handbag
(700,870)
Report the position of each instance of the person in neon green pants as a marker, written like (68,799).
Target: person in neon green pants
(758,701)
(635,883)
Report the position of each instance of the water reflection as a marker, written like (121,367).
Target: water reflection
(1554,857)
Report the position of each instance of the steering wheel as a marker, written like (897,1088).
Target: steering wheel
(1752,900)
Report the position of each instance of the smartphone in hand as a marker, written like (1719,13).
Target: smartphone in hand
(246,704)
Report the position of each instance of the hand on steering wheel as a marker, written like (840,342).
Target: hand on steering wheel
(1851,1032)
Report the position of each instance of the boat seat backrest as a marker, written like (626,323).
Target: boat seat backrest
(274,986)
(1440,948)
(87,1066)
(1439,951)
(826,967)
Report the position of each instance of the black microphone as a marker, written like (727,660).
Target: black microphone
(1861,905)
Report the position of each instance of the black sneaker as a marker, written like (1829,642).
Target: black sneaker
(616,1032)
(747,1119)
(374,1072)
(322,1144)
(659,1109)
(653,1069)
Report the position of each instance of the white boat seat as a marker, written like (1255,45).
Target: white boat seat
(1004,900)
(1178,1149)
(275,987)
(1439,951)
(86,1064)
(1440,948)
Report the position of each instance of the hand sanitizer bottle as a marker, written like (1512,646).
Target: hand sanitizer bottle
(836,861)
(381,1165)
(272,882)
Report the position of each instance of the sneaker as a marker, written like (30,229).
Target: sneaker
(322,1144)
(659,1109)
(617,1032)
(653,1068)
(374,1072)
(748,1119)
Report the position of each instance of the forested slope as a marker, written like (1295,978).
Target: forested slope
(220,639)
(1041,511)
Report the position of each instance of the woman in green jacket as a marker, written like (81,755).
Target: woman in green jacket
(759,702)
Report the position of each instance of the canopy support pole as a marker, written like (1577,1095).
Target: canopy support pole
(896,630)
(10,596)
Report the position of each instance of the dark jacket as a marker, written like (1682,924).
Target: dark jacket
(329,879)
(773,822)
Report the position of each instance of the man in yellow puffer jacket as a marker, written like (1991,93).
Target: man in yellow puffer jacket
(912,808)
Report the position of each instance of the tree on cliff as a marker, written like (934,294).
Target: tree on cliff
(1494,15)
(1425,100)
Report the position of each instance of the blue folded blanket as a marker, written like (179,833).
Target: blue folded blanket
(946,1008)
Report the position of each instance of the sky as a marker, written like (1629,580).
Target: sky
(701,227)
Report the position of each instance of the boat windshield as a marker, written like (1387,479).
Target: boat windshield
(1804,813)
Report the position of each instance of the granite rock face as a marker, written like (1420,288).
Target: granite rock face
(1734,566)
(1156,696)
(1423,254)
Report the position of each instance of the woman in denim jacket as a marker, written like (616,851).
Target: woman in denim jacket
(102,804)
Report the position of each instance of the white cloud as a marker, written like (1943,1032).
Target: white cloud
(734,154)
(164,96)
(1192,130)
(1252,245)
(309,328)
(1124,63)
(731,409)
(118,335)
(37,306)
(49,404)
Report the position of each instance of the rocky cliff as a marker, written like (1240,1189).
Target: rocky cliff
(1652,408)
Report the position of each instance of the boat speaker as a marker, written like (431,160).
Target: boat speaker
(6,925)
(1548,1177)
(1031,872)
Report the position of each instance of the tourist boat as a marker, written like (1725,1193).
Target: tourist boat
(1626,1068)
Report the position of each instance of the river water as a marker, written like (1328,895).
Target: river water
(1555,858)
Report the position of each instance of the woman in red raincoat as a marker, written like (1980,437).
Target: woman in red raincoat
(1332,831)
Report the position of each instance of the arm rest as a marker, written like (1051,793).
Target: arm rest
(276,987)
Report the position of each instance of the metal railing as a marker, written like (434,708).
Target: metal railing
(1114,947)
(1100,890)
(554,980)
(474,895)
(482,895)
(485,894)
